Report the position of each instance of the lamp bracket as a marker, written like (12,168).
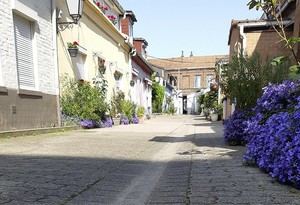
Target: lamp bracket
(61,26)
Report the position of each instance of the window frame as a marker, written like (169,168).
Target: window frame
(33,27)
(195,78)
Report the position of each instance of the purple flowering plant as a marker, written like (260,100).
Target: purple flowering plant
(124,120)
(106,122)
(274,133)
(87,124)
(235,128)
(135,120)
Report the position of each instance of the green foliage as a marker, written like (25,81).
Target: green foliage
(217,108)
(244,78)
(127,108)
(116,103)
(170,106)
(209,99)
(140,111)
(83,100)
(200,101)
(158,94)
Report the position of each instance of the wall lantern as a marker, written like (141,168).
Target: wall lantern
(157,77)
(75,9)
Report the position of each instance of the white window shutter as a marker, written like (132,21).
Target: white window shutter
(24,52)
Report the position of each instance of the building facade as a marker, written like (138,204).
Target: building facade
(28,72)
(191,76)
(102,46)
(259,36)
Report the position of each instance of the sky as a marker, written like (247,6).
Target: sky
(200,26)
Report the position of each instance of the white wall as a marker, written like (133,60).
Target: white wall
(141,92)
(40,13)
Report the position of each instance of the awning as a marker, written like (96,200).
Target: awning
(135,72)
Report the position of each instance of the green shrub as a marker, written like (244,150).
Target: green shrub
(158,94)
(244,77)
(116,103)
(82,100)
(140,111)
(127,108)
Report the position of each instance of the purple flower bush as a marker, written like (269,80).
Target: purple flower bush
(274,133)
(87,124)
(235,128)
(135,120)
(124,120)
(106,122)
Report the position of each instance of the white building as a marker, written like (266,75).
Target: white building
(28,71)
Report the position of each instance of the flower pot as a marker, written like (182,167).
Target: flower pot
(73,52)
(141,120)
(214,117)
(116,121)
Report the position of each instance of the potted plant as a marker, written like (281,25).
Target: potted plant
(117,75)
(112,18)
(73,48)
(140,113)
(216,110)
(102,7)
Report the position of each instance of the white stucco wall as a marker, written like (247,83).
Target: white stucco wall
(40,15)
(141,92)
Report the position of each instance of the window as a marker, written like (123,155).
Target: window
(197,83)
(209,79)
(175,81)
(24,52)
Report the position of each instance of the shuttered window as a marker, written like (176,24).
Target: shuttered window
(24,52)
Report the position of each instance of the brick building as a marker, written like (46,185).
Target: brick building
(190,75)
(259,36)
(28,71)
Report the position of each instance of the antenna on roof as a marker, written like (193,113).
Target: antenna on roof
(191,55)
(182,54)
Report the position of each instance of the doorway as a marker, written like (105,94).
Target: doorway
(184,105)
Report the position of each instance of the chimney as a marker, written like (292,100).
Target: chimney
(140,45)
(191,55)
(182,54)
(127,22)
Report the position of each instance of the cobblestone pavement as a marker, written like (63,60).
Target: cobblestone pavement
(167,160)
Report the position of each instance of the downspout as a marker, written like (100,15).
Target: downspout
(244,40)
(54,39)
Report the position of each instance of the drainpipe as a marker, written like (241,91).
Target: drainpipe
(244,39)
(54,39)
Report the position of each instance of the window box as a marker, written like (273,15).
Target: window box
(73,52)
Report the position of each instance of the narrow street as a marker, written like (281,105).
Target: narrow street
(167,160)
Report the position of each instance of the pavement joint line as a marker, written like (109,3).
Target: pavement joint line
(189,187)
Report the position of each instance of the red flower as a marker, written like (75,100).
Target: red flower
(75,43)
(98,4)
(105,8)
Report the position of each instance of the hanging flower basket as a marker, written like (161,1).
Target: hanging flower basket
(73,48)
(117,75)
